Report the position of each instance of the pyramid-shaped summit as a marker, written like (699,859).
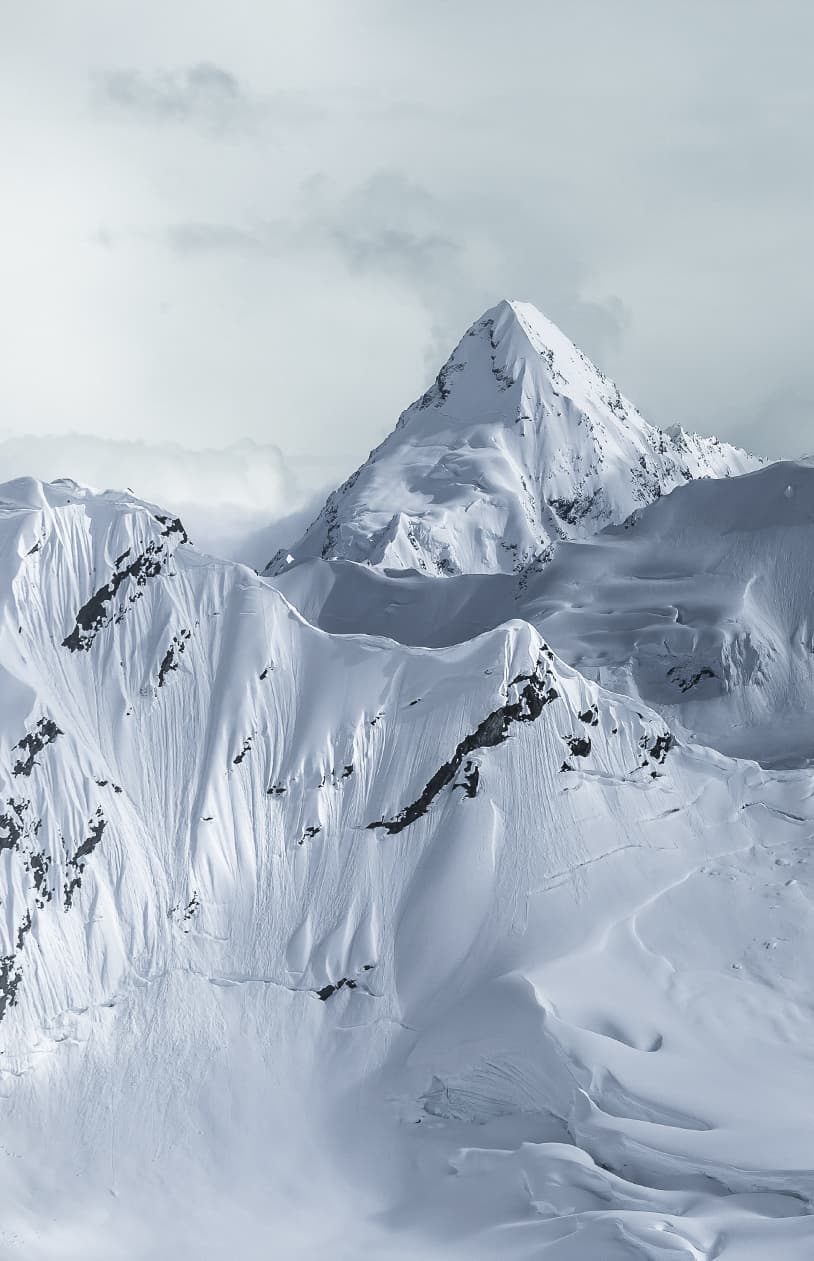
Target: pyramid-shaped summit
(519,442)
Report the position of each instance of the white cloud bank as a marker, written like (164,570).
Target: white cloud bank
(240,501)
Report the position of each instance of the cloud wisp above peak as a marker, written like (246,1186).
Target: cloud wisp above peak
(203,95)
(386,226)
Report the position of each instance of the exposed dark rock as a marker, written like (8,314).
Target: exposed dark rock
(172,525)
(10,977)
(103,783)
(38,864)
(348,771)
(580,746)
(590,716)
(96,614)
(685,680)
(247,744)
(78,860)
(661,747)
(45,732)
(471,779)
(25,927)
(170,660)
(12,824)
(327,990)
(574,510)
(97,826)
(533,697)
(441,387)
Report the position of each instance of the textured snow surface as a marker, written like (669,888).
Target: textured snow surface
(700,604)
(520,442)
(422,900)
(329,946)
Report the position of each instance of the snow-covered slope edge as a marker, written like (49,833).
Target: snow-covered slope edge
(396,933)
(700,605)
(521,442)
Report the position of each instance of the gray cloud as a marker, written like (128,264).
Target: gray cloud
(386,226)
(392,231)
(200,239)
(205,95)
(787,413)
(638,171)
(398,251)
(443,250)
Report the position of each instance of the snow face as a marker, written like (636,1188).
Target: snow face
(520,443)
(699,605)
(321,945)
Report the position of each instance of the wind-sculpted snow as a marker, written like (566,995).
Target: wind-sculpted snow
(699,604)
(560,1012)
(519,444)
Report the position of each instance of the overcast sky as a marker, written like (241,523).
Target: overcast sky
(268,222)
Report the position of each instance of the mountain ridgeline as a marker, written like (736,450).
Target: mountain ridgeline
(410,902)
(519,444)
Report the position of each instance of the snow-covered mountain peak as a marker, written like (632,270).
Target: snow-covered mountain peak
(519,442)
(524,341)
(511,349)
(455,928)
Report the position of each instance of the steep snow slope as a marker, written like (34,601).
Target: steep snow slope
(700,604)
(521,442)
(326,946)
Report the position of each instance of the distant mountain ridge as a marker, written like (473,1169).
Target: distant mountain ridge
(519,443)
